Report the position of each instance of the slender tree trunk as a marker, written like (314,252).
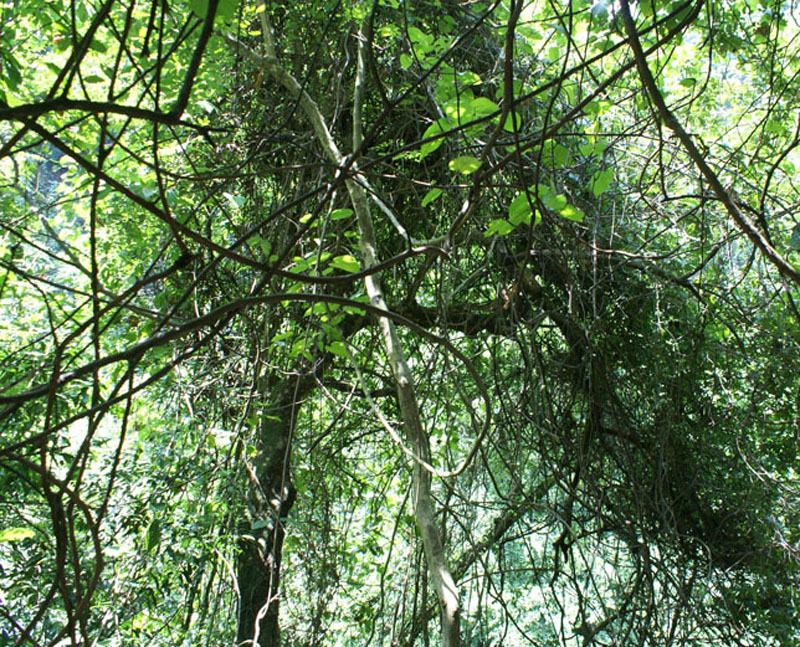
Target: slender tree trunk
(443,583)
(271,498)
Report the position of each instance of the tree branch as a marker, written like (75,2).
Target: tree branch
(670,121)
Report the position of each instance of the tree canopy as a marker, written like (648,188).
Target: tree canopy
(399,322)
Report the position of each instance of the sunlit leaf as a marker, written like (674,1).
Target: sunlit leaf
(337,348)
(430,196)
(511,120)
(464,165)
(572,213)
(341,214)
(436,128)
(500,227)
(519,210)
(225,8)
(483,106)
(16,534)
(346,263)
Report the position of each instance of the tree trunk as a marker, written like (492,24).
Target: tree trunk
(270,499)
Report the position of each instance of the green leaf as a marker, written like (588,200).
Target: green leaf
(346,263)
(560,155)
(338,348)
(225,8)
(341,214)
(483,106)
(572,213)
(405,61)
(465,165)
(16,534)
(421,40)
(601,181)
(12,70)
(519,210)
(430,196)
(554,201)
(511,119)
(153,537)
(499,226)
(436,128)
(458,109)
(469,78)
(98,46)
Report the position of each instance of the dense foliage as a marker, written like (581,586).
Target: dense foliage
(383,323)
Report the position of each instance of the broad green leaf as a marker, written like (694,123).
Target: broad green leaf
(405,61)
(483,106)
(300,264)
(337,348)
(519,210)
(331,331)
(419,38)
(465,165)
(559,155)
(430,196)
(469,78)
(322,308)
(346,263)
(341,214)
(16,534)
(511,119)
(601,181)
(572,213)
(499,226)
(554,201)
(457,111)
(436,128)
(225,8)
